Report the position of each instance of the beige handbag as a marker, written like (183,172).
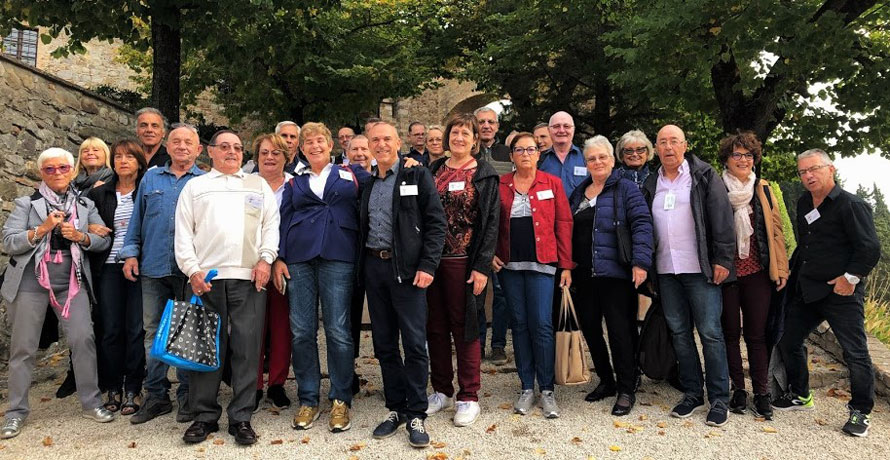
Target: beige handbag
(571,364)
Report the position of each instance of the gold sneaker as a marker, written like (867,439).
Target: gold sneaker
(306,415)
(339,417)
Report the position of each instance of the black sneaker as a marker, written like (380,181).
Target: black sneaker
(258,401)
(791,401)
(389,425)
(739,402)
(857,424)
(687,407)
(417,435)
(602,391)
(153,407)
(718,415)
(762,407)
(278,397)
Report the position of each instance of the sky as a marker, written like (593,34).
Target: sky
(866,170)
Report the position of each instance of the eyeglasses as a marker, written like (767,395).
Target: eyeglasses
(811,170)
(600,158)
(238,148)
(740,155)
(639,151)
(53,170)
(672,142)
(564,126)
(528,151)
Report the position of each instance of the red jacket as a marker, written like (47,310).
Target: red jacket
(551,215)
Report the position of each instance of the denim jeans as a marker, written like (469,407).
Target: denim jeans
(529,297)
(846,316)
(330,281)
(690,300)
(155,293)
(499,317)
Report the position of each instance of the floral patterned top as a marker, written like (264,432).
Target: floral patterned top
(455,186)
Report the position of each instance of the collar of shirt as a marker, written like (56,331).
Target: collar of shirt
(682,170)
(573,150)
(194,170)
(217,173)
(303,168)
(392,171)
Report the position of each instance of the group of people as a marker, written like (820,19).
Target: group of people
(108,237)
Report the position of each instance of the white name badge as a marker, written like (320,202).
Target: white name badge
(670,201)
(545,195)
(254,201)
(345,175)
(408,190)
(812,216)
(580,171)
(456,186)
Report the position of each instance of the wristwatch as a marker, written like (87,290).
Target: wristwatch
(852,279)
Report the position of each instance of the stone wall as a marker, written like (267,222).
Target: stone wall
(99,65)
(42,111)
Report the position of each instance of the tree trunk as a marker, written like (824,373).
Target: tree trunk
(166,61)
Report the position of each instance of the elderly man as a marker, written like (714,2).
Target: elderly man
(542,137)
(417,136)
(490,149)
(694,253)
(403,233)
(359,153)
(290,132)
(148,255)
(241,246)
(564,159)
(344,135)
(837,248)
(151,126)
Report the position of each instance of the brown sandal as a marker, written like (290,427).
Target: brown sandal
(130,405)
(113,403)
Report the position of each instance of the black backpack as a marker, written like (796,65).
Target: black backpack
(656,357)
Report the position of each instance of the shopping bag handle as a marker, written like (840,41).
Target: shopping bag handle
(196,300)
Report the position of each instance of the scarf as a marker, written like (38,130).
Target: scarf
(740,195)
(83,182)
(67,204)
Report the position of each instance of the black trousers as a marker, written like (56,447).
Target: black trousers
(615,300)
(243,309)
(398,309)
(846,316)
(119,333)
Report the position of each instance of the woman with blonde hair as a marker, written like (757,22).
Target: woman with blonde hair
(93,166)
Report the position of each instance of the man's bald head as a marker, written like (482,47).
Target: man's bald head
(562,130)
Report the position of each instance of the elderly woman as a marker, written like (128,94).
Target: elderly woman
(435,136)
(118,312)
(93,165)
(271,155)
(468,190)
(760,263)
(46,236)
(612,245)
(534,243)
(319,244)
(634,152)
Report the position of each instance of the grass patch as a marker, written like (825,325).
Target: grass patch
(877,308)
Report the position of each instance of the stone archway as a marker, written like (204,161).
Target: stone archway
(470,104)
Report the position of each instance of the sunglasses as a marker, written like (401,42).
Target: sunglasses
(53,170)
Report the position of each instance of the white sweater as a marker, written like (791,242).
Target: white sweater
(227,222)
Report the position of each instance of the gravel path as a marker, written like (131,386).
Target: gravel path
(55,431)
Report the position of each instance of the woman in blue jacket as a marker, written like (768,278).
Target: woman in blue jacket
(317,254)
(607,207)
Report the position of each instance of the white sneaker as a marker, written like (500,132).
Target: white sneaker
(437,402)
(548,404)
(524,403)
(467,413)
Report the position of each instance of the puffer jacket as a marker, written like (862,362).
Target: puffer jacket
(632,211)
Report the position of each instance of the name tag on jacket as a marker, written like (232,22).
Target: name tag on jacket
(346,175)
(580,171)
(408,190)
(545,194)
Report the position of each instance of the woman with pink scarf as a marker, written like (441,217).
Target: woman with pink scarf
(46,236)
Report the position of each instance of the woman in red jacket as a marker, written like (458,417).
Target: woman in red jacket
(534,242)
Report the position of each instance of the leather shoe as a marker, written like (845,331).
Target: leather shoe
(602,391)
(243,433)
(623,404)
(199,431)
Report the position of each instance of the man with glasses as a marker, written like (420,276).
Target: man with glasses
(490,150)
(344,135)
(417,136)
(695,246)
(148,256)
(837,248)
(564,160)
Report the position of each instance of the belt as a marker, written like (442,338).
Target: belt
(384,254)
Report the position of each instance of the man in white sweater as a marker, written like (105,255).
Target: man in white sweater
(228,220)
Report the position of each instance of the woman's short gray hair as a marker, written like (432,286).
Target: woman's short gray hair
(631,137)
(599,141)
(816,153)
(54,152)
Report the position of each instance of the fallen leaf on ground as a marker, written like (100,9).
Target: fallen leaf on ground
(200,449)
(486,395)
(769,429)
(540,451)
(614,448)
(759,419)
(305,440)
(276,442)
(620,424)
(687,424)
(437,456)
(505,406)
(838,393)
(491,428)
(438,444)
(821,422)
(643,417)
(576,440)
(47,441)
(634,428)
(491,371)
(45,399)
(661,432)
(219,442)
(714,434)
(132,445)
(353,457)
(661,424)
(357,447)
(645,403)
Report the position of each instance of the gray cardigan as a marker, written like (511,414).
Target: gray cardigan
(29,212)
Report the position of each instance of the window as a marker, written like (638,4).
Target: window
(21,45)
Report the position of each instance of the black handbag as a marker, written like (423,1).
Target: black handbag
(622,234)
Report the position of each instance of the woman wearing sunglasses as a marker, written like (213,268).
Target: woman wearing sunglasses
(634,151)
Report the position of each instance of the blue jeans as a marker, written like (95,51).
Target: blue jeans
(529,297)
(499,317)
(690,300)
(330,281)
(155,292)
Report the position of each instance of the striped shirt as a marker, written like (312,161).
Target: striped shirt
(121,220)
